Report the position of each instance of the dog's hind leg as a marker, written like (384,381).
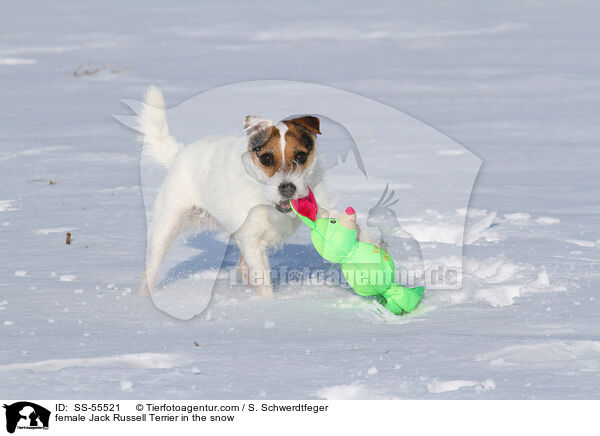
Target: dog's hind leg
(162,235)
(171,216)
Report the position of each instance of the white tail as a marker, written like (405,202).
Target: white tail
(158,145)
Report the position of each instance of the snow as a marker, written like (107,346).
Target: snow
(518,217)
(512,82)
(581,243)
(546,220)
(428,228)
(8,205)
(16,61)
(439,387)
(340,392)
(584,355)
(139,360)
(126,385)
(56,230)
(68,278)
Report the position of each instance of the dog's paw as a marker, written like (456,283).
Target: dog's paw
(143,289)
(265,292)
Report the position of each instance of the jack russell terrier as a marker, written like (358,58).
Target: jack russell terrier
(238,184)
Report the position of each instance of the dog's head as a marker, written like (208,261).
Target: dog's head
(284,155)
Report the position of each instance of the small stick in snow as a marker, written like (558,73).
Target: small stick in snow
(115,69)
(68,238)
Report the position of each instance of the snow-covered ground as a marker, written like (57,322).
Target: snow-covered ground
(517,83)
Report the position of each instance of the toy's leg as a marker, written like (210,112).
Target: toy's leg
(399,299)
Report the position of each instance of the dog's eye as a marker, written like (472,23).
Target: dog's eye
(300,157)
(266,159)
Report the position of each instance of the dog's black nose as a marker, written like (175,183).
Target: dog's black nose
(287,189)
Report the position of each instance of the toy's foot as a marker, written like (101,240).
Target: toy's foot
(399,299)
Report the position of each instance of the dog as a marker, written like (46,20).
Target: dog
(238,184)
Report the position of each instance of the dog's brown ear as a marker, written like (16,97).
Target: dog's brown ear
(308,122)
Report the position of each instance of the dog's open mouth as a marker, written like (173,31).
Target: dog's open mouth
(283,206)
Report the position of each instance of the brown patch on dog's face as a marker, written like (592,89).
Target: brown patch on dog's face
(265,146)
(300,142)
(269,156)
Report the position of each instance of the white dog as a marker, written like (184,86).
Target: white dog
(239,184)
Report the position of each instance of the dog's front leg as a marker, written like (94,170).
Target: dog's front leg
(243,269)
(259,272)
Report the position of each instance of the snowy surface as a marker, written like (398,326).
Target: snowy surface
(516,83)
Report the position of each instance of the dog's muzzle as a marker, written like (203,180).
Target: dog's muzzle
(283,206)
(287,191)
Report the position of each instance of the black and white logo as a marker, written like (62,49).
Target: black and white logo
(26,415)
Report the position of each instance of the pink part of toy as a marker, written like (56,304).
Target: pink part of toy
(350,211)
(306,206)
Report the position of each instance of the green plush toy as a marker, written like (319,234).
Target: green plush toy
(368,268)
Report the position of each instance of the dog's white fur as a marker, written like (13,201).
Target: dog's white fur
(214,183)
